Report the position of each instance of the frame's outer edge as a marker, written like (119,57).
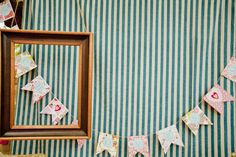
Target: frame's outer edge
(46,138)
(90,80)
(0,81)
(45,32)
(90,86)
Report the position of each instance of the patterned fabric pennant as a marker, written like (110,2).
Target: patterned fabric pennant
(39,87)
(169,135)
(107,142)
(56,109)
(230,70)
(138,144)
(216,98)
(6,11)
(194,118)
(80,142)
(23,63)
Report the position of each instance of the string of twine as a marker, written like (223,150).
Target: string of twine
(81,12)
(14,18)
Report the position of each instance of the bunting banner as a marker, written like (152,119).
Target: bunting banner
(108,143)
(169,135)
(6,11)
(195,118)
(138,144)
(39,87)
(56,109)
(23,63)
(230,70)
(216,98)
(80,142)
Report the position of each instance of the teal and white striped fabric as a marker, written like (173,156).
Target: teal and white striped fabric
(153,62)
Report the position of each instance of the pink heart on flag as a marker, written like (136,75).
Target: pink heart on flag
(57,108)
(215,95)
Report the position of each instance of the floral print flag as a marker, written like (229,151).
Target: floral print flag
(6,11)
(138,144)
(230,70)
(56,109)
(194,118)
(39,87)
(216,98)
(23,63)
(107,142)
(169,135)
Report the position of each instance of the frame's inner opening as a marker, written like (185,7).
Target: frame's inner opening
(58,66)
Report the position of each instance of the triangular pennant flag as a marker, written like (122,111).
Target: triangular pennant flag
(216,98)
(138,144)
(80,142)
(56,109)
(107,142)
(6,11)
(194,118)
(39,87)
(24,63)
(168,136)
(230,70)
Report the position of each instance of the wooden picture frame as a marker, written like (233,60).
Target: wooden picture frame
(8,39)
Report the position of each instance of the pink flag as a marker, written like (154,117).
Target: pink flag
(138,144)
(24,63)
(194,118)
(107,142)
(6,11)
(216,97)
(56,109)
(39,87)
(230,70)
(169,135)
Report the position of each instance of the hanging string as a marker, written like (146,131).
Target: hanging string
(81,12)
(14,18)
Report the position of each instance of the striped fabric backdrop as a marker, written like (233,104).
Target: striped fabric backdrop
(153,62)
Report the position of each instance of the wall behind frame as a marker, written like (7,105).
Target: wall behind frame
(153,61)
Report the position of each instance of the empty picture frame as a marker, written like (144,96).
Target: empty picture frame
(10,131)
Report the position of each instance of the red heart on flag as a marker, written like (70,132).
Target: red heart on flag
(215,95)
(57,108)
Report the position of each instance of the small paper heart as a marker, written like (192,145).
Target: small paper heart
(57,108)
(215,95)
